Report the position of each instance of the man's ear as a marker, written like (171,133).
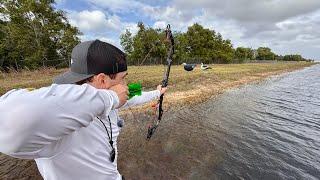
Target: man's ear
(101,78)
(105,80)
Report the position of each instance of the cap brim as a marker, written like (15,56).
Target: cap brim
(71,78)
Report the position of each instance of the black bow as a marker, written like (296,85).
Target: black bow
(165,80)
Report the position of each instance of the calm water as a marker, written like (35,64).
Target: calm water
(269,130)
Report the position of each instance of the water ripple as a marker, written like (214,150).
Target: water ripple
(268,130)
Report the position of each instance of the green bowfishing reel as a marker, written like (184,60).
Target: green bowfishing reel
(135,89)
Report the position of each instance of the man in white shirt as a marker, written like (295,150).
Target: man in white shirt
(71,127)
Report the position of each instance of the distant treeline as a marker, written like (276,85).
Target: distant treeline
(196,45)
(34,34)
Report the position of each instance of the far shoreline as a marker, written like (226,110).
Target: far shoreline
(207,89)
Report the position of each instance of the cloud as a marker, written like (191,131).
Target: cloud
(257,16)
(117,6)
(159,25)
(132,27)
(99,25)
(94,21)
(287,26)
(252,10)
(60,1)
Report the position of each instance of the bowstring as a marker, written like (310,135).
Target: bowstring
(154,110)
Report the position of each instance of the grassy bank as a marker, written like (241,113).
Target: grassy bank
(172,151)
(185,87)
(150,76)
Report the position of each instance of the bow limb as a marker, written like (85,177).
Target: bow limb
(165,80)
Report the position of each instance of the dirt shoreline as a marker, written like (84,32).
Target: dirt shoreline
(201,91)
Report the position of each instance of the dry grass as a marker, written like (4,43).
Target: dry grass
(150,76)
(185,87)
(26,79)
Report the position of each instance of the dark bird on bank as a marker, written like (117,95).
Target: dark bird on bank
(205,67)
(188,67)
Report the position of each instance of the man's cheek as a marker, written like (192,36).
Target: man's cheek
(122,82)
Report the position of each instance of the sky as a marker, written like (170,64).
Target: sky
(286,26)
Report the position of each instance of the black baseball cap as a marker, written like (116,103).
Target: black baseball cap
(90,58)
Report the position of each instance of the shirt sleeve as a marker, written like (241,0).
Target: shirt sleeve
(144,98)
(29,121)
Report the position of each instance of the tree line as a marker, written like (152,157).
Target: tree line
(197,45)
(34,34)
(147,46)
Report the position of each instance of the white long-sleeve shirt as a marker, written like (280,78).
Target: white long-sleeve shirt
(58,127)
